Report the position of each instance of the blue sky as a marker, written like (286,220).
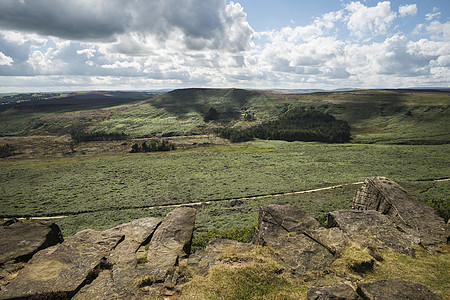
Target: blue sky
(58,45)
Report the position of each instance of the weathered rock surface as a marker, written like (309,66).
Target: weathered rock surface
(407,211)
(62,268)
(336,292)
(201,261)
(170,242)
(395,289)
(283,227)
(19,241)
(359,225)
(120,280)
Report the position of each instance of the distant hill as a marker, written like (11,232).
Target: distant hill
(405,116)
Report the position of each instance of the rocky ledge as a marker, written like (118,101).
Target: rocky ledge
(142,259)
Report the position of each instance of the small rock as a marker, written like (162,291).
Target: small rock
(395,289)
(336,292)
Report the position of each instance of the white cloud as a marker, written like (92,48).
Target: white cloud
(365,21)
(430,16)
(5,60)
(407,10)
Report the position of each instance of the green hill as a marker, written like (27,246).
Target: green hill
(375,116)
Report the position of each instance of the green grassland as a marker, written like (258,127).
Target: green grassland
(111,184)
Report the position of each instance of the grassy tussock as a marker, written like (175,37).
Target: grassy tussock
(254,275)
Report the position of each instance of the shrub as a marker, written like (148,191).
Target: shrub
(153,146)
(6,150)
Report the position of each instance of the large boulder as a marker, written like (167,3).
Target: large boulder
(359,225)
(283,228)
(395,289)
(63,269)
(170,242)
(406,210)
(20,241)
(120,280)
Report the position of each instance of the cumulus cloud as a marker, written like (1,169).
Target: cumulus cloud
(194,24)
(364,21)
(5,60)
(407,10)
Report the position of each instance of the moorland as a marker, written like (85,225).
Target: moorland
(69,156)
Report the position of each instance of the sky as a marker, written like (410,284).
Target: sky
(79,45)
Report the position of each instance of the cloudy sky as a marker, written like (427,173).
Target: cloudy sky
(60,45)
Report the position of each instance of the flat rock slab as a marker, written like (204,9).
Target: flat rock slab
(20,241)
(389,198)
(336,292)
(361,224)
(170,242)
(395,289)
(275,219)
(121,280)
(62,268)
(283,228)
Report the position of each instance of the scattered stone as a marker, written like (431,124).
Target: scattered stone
(170,242)
(62,268)
(236,203)
(336,292)
(359,225)
(395,289)
(283,227)
(20,241)
(406,210)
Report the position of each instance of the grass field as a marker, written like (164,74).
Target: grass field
(105,190)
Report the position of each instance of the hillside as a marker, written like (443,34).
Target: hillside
(375,116)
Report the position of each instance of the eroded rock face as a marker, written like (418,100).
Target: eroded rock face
(19,241)
(359,225)
(170,242)
(63,268)
(404,209)
(395,289)
(120,279)
(283,227)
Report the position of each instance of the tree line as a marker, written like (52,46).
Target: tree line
(295,125)
(80,136)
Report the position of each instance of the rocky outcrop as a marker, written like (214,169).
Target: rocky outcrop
(148,259)
(19,241)
(359,225)
(404,209)
(283,228)
(63,268)
(395,289)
